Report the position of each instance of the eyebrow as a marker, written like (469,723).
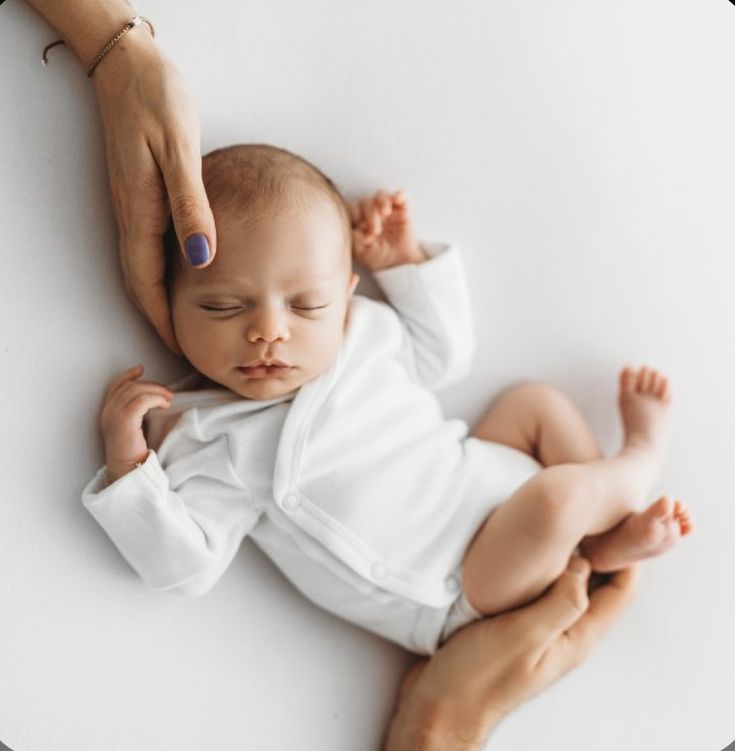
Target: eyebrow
(245,284)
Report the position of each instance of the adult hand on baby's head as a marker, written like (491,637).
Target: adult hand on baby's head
(382,235)
(487,669)
(153,153)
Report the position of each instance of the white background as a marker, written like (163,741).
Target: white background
(582,155)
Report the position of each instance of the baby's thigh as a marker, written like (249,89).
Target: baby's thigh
(525,543)
(541,421)
(512,418)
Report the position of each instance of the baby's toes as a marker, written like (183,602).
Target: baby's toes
(683,518)
(659,384)
(627,379)
(660,510)
(662,389)
(645,380)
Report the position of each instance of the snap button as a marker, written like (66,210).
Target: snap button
(452,584)
(378,571)
(291,501)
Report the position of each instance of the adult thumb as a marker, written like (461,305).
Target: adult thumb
(191,213)
(562,606)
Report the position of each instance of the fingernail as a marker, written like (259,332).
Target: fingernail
(197,249)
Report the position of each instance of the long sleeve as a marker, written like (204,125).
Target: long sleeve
(179,528)
(432,300)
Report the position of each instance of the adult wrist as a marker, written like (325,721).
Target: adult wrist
(136,50)
(440,727)
(86,26)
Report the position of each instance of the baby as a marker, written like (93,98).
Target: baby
(308,424)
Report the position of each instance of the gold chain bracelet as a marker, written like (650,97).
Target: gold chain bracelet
(131,24)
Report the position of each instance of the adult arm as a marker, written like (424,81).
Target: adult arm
(453,701)
(152,136)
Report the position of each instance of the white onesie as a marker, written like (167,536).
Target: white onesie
(355,486)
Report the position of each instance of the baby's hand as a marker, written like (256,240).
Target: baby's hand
(381,232)
(121,420)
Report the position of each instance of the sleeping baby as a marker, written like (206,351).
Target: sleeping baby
(308,424)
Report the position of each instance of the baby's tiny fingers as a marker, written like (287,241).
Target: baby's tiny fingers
(353,208)
(383,200)
(133,388)
(372,223)
(361,242)
(129,374)
(399,198)
(136,408)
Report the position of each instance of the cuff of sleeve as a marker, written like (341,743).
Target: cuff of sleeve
(443,260)
(145,473)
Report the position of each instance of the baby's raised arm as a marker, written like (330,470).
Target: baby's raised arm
(424,283)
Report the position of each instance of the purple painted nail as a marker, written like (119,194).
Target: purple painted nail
(197,249)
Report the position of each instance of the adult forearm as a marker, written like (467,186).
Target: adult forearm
(86,25)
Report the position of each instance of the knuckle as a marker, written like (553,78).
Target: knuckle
(185,208)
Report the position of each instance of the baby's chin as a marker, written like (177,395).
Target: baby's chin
(264,391)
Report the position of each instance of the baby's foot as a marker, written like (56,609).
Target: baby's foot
(645,407)
(638,536)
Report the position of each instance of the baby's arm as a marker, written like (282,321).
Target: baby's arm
(179,529)
(424,283)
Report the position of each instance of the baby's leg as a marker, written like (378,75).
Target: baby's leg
(540,421)
(526,543)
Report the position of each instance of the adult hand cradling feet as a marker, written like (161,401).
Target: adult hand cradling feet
(454,701)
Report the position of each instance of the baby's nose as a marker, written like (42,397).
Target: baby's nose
(269,326)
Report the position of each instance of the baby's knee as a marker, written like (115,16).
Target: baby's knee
(560,495)
(537,396)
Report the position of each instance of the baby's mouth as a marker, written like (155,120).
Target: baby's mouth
(264,370)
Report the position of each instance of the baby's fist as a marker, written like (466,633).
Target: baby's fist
(121,419)
(382,235)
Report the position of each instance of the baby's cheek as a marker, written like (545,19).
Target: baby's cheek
(202,345)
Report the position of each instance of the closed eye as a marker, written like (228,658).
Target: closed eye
(296,307)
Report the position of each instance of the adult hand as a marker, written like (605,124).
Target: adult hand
(152,137)
(153,147)
(453,701)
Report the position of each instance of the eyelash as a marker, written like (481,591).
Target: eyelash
(221,310)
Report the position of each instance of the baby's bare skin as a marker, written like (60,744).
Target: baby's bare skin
(639,536)
(645,409)
(525,543)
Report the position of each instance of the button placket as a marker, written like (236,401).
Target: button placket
(291,501)
(452,584)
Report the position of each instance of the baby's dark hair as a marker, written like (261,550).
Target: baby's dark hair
(255,181)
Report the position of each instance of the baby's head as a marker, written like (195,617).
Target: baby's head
(280,284)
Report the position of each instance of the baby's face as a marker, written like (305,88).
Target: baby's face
(276,291)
